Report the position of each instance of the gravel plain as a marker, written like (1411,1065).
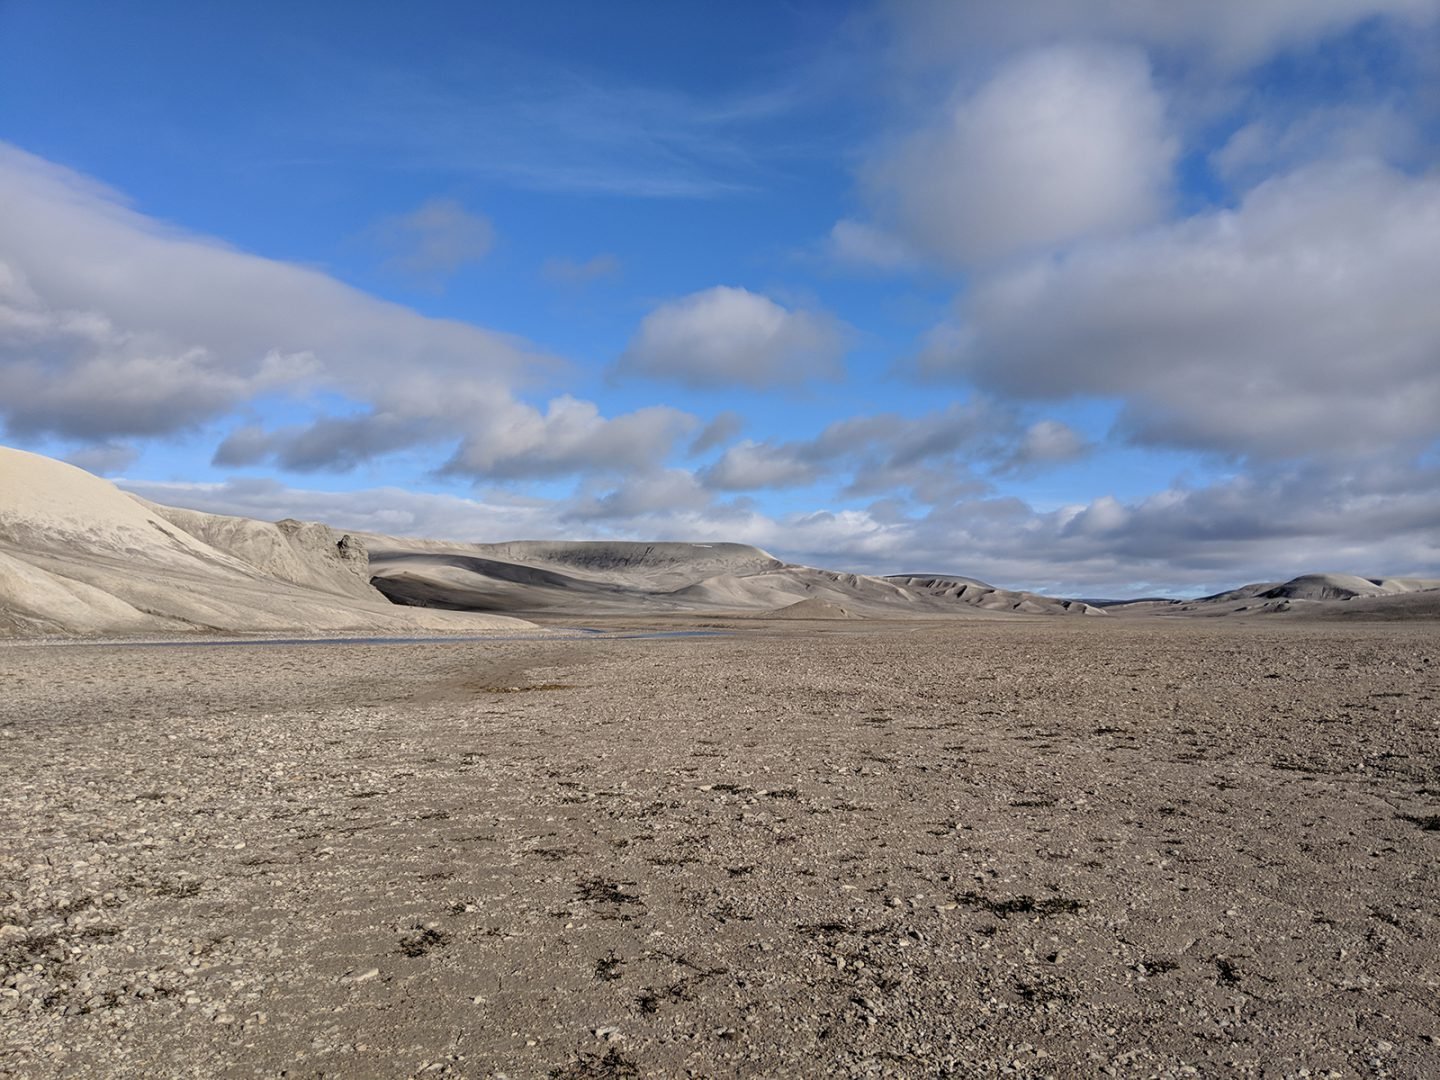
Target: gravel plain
(972,848)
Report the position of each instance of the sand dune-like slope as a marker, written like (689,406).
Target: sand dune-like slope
(810,609)
(605,577)
(79,556)
(1313,595)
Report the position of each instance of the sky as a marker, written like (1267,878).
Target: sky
(1087,297)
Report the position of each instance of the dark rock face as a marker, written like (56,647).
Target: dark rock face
(352,550)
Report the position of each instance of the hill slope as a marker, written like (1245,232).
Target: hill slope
(621,578)
(79,556)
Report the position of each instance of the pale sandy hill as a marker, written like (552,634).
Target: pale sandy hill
(1318,595)
(1330,587)
(602,577)
(79,556)
(300,552)
(811,609)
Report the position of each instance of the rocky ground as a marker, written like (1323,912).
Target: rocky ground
(1033,847)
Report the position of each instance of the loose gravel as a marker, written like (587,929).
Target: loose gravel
(1030,848)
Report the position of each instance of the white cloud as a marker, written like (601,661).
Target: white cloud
(435,239)
(931,456)
(569,437)
(1227,32)
(1063,143)
(662,492)
(114,326)
(1273,143)
(717,432)
(727,336)
(1045,442)
(857,243)
(751,465)
(1302,323)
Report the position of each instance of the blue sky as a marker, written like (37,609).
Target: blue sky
(1077,295)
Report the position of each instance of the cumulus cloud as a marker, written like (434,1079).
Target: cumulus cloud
(563,271)
(751,465)
(1279,143)
(435,239)
(644,495)
(858,243)
(931,455)
(1302,323)
(717,432)
(114,326)
(1226,32)
(1063,143)
(1045,442)
(727,336)
(332,442)
(569,437)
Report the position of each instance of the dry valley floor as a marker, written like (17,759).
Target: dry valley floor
(1032,847)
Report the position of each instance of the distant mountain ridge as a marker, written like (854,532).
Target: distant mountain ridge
(620,577)
(80,556)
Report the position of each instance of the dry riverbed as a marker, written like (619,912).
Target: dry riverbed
(1032,847)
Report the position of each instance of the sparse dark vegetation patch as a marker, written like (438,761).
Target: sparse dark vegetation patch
(1021,905)
(419,940)
(612,1065)
(1226,973)
(607,968)
(602,891)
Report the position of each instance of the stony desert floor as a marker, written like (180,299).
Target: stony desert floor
(1031,847)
